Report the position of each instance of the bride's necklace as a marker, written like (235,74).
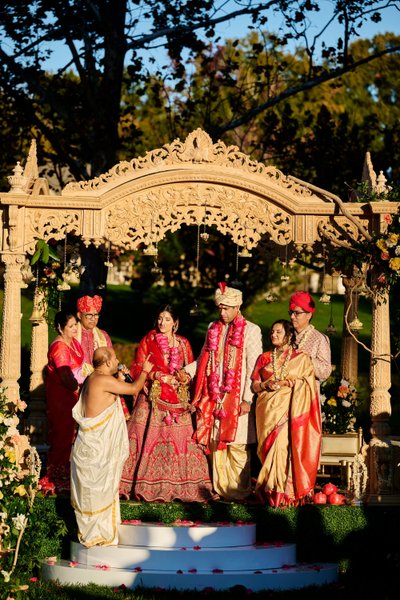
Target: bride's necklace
(304,336)
(284,368)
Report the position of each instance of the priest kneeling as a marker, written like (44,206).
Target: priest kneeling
(100,449)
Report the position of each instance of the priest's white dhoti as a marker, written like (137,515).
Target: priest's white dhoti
(97,459)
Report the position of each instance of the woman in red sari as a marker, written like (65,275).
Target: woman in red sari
(65,358)
(288,420)
(164,462)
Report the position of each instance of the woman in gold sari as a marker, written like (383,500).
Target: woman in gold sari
(288,420)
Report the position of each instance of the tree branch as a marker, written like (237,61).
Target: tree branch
(333,198)
(308,85)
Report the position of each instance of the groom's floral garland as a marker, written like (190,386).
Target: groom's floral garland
(218,389)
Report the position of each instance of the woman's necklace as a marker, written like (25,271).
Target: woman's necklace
(304,337)
(284,368)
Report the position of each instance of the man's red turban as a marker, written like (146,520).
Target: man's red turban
(303,300)
(88,303)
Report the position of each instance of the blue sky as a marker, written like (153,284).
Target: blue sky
(390,23)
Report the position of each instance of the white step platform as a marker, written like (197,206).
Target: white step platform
(188,556)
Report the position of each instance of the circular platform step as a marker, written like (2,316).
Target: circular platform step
(196,557)
(186,534)
(285,578)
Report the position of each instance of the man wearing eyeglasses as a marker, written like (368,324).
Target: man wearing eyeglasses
(89,335)
(309,340)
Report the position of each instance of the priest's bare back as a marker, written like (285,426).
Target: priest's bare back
(101,387)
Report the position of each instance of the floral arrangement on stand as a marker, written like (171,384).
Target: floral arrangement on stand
(19,476)
(338,405)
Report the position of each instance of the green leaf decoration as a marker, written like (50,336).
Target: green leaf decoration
(45,253)
(36,256)
(53,254)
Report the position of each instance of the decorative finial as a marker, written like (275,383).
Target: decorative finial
(17,181)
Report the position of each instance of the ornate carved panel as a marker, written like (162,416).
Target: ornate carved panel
(47,223)
(197,148)
(147,217)
(339,231)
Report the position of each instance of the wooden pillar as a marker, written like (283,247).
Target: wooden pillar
(10,353)
(40,341)
(349,351)
(380,451)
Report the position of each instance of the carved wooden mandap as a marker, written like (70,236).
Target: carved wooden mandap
(137,202)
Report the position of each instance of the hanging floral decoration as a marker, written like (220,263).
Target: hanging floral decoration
(52,266)
(338,405)
(386,258)
(381,253)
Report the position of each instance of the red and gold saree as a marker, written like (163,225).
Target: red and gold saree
(288,424)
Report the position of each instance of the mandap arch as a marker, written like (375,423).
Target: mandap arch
(190,182)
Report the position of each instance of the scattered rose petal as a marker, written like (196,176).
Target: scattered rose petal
(103,567)
(257,572)
(132,522)
(217,571)
(34,579)
(196,547)
(192,570)
(183,548)
(73,563)
(137,570)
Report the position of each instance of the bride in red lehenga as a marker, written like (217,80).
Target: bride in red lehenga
(164,462)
